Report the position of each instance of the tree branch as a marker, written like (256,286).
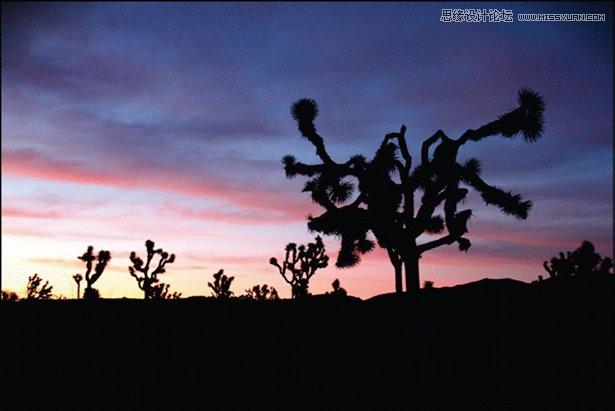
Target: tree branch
(446,240)
(428,143)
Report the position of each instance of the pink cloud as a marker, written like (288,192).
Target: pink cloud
(241,216)
(537,238)
(26,213)
(530,239)
(259,201)
(31,164)
(449,256)
(23,231)
(72,264)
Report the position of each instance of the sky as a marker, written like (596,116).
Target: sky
(123,122)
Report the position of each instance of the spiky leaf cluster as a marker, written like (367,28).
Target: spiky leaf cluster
(304,110)
(527,119)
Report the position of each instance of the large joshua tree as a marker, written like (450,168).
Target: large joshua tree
(378,196)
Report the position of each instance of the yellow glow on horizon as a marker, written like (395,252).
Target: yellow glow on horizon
(55,260)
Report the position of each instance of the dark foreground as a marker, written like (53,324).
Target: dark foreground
(492,344)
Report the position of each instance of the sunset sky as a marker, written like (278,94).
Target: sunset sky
(123,122)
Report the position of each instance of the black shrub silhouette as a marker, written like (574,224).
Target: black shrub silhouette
(88,257)
(337,290)
(261,293)
(300,265)
(35,290)
(582,261)
(148,282)
(9,296)
(387,185)
(161,292)
(221,285)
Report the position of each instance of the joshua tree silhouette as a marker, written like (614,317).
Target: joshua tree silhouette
(161,292)
(301,263)
(337,290)
(261,293)
(387,185)
(9,296)
(35,290)
(148,282)
(221,285)
(582,261)
(78,278)
(88,257)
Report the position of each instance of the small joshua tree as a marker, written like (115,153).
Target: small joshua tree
(9,296)
(588,261)
(88,257)
(261,293)
(36,291)
(161,292)
(301,264)
(148,282)
(561,266)
(582,261)
(427,284)
(78,278)
(221,285)
(337,290)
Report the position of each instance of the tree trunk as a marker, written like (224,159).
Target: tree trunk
(398,284)
(397,265)
(411,268)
